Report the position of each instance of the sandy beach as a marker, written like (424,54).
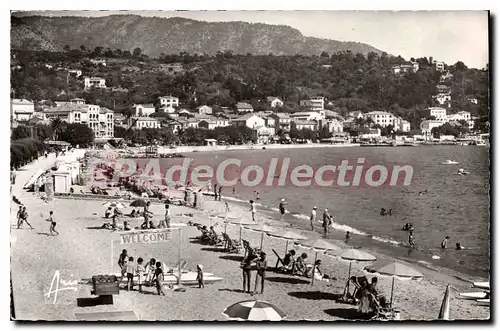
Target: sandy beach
(81,251)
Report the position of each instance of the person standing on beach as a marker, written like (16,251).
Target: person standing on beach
(312,218)
(282,208)
(326,221)
(252,209)
(199,276)
(20,217)
(158,278)
(246,266)
(52,223)
(234,190)
(220,192)
(122,261)
(167,217)
(411,240)
(131,270)
(139,271)
(215,192)
(261,273)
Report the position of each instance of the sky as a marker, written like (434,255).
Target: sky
(448,36)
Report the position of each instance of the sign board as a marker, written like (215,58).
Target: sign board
(145,237)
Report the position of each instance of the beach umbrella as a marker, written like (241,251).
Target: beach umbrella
(253,310)
(318,245)
(139,203)
(289,235)
(113,204)
(394,269)
(263,228)
(444,312)
(353,254)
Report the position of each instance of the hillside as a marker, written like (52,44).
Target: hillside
(169,35)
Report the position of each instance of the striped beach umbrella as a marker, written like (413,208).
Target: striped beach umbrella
(253,310)
(113,204)
(444,312)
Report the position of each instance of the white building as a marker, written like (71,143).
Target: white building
(21,109)
(204,110)
(381,118)
(439,65)
(308,125)
(443,98)
(461,116)
(314,104)
(169,101)
(356,114)
(145,122)
(472,100)
(94,82)
(333,125)
(250,121)
(274,102)
(438,112)
(167,109)
(427,125)
(143,110)
(99,61)
(76,72)
(243,107)
(401,125)
(308,116)
(99,119)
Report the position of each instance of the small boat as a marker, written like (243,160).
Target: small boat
(483,302)
(481,285)
(462,172)
(450,162)
(474,295)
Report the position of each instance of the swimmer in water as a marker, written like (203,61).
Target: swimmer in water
(459,247)
(422,192)
(347,235)
(390,211)
(444,242)
(382,211)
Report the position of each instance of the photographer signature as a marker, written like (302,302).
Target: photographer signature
(70,285)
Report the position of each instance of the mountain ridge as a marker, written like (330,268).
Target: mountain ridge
(156,35)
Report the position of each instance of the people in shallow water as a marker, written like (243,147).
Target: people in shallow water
(459,247)
(408,227)
(444,243)
(422,192)
(384,212)
(411,240)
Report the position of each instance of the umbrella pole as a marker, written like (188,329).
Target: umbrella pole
(314,268)
(180,271)
(241,229)
(348,277)
(261,240)
(392,290)
(286,247)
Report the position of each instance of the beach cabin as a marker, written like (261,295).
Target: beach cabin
(210,142)
(62,181)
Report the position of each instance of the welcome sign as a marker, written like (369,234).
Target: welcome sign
(145,237)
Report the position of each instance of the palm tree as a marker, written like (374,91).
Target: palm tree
(56,124)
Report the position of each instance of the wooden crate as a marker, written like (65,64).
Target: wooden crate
(105,285)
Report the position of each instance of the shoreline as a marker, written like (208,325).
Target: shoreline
(87,252)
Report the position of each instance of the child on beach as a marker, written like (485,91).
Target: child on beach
(444,243)
(252,209)
(199,276)
(158,278)
(130,269)
(139,271)
(122,261)
(52,223)
(150,270)
(24,217)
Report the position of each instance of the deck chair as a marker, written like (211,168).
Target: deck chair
(249,250)
(381,312)
(283,268)
(230,245)
(357,284)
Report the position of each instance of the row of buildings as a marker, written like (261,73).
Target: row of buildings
(441,117)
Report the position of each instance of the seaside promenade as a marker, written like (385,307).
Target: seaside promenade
(81,251)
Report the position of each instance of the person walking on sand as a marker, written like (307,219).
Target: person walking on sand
(220,192)
(53,223)
(252,209)
(444,243)
(199,276)
(261,273)
(312,218)
(282,208)
(24,217)
(327,219)
(20,217)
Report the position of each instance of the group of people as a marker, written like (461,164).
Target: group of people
(299,266)
(254,262)
(327,219)
(22,217)
(444,243)
(146,213)
(149,274)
